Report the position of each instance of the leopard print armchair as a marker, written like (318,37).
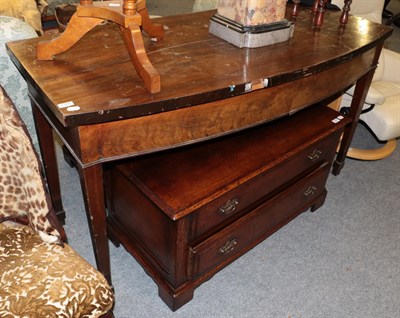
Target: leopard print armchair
(40,275)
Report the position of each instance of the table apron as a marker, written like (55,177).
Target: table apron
(104,142)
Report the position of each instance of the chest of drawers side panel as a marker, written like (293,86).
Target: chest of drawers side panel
(145,228)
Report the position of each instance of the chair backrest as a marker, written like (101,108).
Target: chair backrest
(22,189)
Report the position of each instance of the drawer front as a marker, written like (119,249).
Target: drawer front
(248,195)
(231,242)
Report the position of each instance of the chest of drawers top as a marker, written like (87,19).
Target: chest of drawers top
(186,179)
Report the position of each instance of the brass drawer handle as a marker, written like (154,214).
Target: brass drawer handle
(227,247)
(310,191)
(315,155)
(229,207)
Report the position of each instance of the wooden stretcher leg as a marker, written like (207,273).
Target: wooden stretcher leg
(373,154)
(77,28)
(133,39)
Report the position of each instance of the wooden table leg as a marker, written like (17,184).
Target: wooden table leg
(93,194)
(47,149)
(357,103)
(92,189)
(360,93)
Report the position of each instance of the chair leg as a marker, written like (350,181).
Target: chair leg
(373,154)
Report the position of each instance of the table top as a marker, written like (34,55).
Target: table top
(196,67)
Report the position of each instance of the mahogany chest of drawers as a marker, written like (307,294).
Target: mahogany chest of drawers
(186,213)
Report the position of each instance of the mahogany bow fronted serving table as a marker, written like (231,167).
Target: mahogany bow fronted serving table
(93,99)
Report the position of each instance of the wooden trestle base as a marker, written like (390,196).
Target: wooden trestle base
(130,15)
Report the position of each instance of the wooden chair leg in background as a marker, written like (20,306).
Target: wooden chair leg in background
(373,154)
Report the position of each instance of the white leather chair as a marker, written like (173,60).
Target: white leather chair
(381,111)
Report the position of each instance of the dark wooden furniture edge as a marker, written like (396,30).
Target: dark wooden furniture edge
(215,95)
